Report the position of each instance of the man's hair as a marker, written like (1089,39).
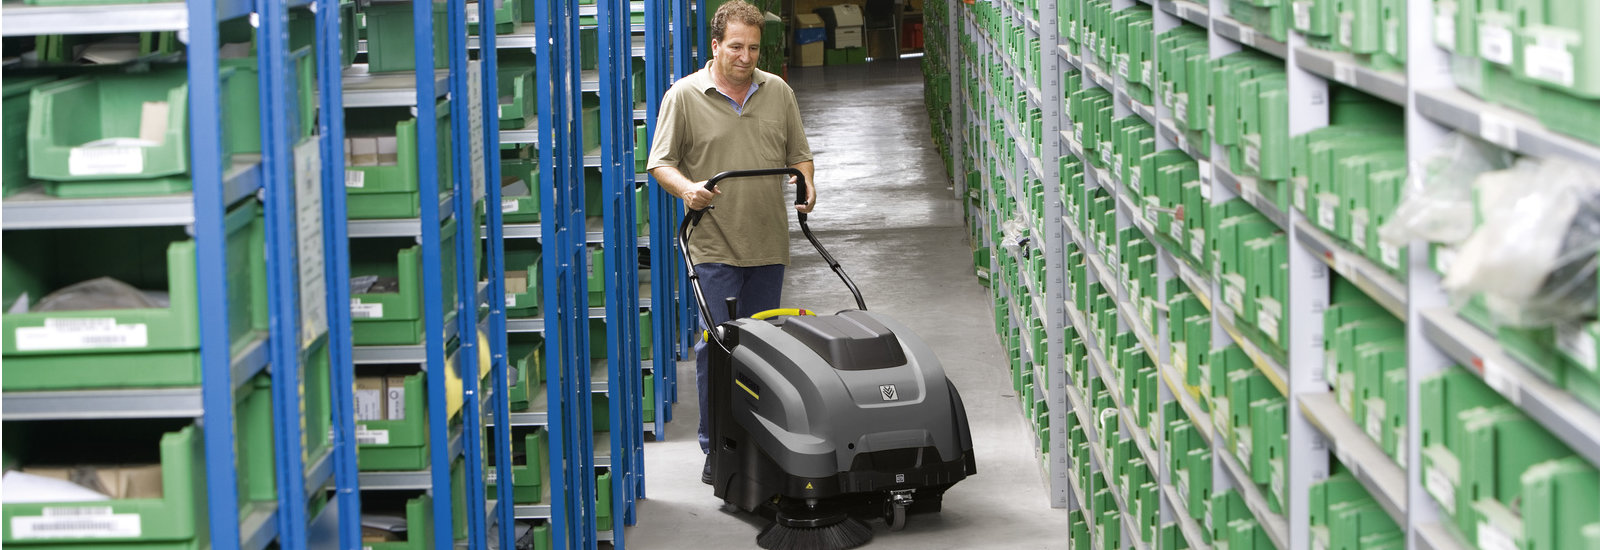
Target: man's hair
(735,10)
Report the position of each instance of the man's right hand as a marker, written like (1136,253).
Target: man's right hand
(698,198)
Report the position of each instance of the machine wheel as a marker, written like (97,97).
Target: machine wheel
(897,517)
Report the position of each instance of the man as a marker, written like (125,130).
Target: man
(733,116)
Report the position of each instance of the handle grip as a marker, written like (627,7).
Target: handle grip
(711,185)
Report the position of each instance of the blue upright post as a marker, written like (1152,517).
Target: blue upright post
(662,299)
(439,457)
(467,190)
(573,252)
(336,247)
(283,262)
(205,131)
(495,267)
(621,304)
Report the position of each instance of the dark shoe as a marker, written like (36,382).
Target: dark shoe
(705,473)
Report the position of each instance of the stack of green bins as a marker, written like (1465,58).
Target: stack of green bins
(1269,17)
(1366,351)
(1344,515)
(506,15)
(1182,65)
(530,464)
(1252,265)
(18,94)
(1347,176)
(382,178)
(77,129)
(391,40)
(1534,57)
(160,343)
(386,287)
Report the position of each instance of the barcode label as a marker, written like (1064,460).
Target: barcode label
(1549,61)
(1497,130)
(1391,38)
(355,179)
(508,206)
(62,523)
(1346,29)
(1268,323)
(105,161)
(1442,489)
(1494,43)
(1390,254)
(365,436)
(1375,413)
(1197,244)
(490,475)
(1302,15)
(1358,233)
(1344,73)
(359,310)
(1252,156)
(511,300)
(1234,297)
(1182,109)
(89,333)
(1444,27)
(1491,537)
(1326,215)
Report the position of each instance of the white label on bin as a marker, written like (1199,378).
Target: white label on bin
(1197,244)
(1502,382)
(1326,215)
(1576,341)
(1444,29)
(1252,156)
(508,206)
(1550,61)
(1495,43)
(1181,107)
(1391,38)
(1491,537)
(105,161)
(1389,253)
(1234,297)
(511,300)
(1268,323)
(1442,489)
(1302,15)
(76,523)
(1497,129)
(359,310)
(1375,413)
(355,179)
(91,333)
(472,13)
(365,436)
(1358,232)
(1347,29)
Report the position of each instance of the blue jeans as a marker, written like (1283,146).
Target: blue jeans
(757,288)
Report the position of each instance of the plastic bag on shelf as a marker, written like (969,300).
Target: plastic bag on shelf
(1534,258)
(97,294)
(1436,203)
(1014,236)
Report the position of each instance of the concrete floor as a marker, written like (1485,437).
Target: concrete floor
(887,213)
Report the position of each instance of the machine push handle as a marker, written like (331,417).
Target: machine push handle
(711,185)
(692,220)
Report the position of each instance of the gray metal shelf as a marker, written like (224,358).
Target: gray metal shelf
(1275,372)
(1383,478)
(127,403)
(1438,536)
(522,37)
(24,20)
(1249,189)
(259,526)
(403,227)
(1233,30)
(1569,419)
(364,89)
(1169,131)
(1375,281)
(404,355)
(1192,531)
(536,324)
(1501,126)
(1345,69)
(419,480)
(520,136)
(1274,524)
(1198,14)
(34,209)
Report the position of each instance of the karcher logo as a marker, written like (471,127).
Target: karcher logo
(809,487)
(889,393)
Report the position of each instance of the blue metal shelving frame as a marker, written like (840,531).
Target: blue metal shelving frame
(663,213)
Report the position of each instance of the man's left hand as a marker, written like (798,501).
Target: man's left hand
(811,197)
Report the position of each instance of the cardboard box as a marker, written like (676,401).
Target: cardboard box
(809,28)
(369,398)
(844,23)
(846,37)
(117,482)
(809,55)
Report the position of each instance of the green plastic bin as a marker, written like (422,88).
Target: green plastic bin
(14,159)
(148,347)
(387,316)
(391,42)
(383,172)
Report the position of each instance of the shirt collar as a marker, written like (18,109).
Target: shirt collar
(758,77)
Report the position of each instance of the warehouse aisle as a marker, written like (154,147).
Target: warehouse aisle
(887,214)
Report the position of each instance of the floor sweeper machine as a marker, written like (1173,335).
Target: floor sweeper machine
(823,422)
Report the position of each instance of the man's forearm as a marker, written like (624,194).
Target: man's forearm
(674,181)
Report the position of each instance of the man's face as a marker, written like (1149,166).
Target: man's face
(736,53)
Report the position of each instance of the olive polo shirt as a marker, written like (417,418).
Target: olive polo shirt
(699,132)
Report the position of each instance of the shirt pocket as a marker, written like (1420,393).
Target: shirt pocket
(772,143)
